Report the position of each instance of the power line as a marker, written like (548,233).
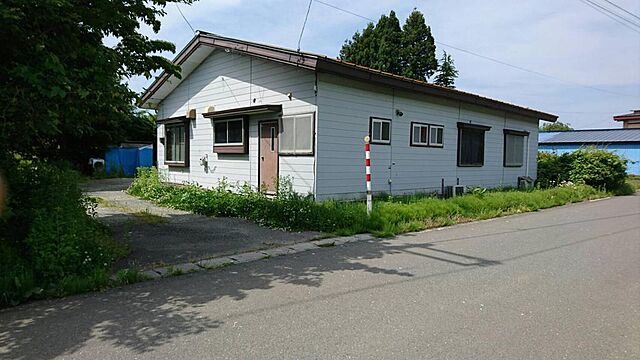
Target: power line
(618,16)
(304,24)
(185,19)
(623,9)
(612,15)
(488,58)
(345,11)
(529,71)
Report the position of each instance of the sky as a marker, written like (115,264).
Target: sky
(590,63)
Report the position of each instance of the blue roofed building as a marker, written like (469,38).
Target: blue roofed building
(624,142)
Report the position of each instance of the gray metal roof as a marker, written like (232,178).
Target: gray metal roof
(598,136)
(189,58)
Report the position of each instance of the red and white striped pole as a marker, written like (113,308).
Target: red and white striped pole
(367,165)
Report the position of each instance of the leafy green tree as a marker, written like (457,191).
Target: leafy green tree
(556,126)
(64,93)
(418,48)
(408,51)
(447,72)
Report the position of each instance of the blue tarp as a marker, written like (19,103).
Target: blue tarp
(123,159)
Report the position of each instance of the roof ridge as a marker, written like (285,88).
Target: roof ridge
(577,130)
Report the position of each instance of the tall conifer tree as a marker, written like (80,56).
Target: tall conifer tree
(447,72)
(408,51)
(418,48)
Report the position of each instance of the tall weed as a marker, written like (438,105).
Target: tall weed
(291,211)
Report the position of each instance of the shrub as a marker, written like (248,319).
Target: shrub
(50,242)
(553,169)
(594,167)
(598,168)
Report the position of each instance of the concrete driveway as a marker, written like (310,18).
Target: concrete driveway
(562,283)
(159,235)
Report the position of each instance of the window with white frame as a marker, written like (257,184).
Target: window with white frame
(380,130)
(426,134)
(514,148)
(296,135)
(436,135)
(420,134)
(228,132)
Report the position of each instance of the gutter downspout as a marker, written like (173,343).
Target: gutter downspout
(528,156)
(315,135)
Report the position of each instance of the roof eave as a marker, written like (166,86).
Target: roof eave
(302,60)
(360,73)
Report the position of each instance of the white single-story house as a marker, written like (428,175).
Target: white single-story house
(253,113)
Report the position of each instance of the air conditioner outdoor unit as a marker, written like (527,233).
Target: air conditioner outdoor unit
(525,182)
(448,192)
(453,190)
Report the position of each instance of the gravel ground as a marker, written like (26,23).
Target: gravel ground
(159,235)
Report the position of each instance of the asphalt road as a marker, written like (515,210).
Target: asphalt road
(561,283)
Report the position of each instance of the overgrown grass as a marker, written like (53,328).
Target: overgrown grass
(392,216)
(634,182)
(51,244)
(129,276)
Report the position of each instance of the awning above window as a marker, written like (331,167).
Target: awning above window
(516,132)
(463,125)
(173,120)
(244,111)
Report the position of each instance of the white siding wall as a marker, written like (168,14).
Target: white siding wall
(343,120)
(226,81)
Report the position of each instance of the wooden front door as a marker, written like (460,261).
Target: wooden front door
(268,156)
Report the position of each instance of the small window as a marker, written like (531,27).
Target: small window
(426,135)
(175,146)
(230,136)
(380,130)
(514,148)
(273,139)
(471,144)
(296,135)
(420,135)
(229,132)
(436,135)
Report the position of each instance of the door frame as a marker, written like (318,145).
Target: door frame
(260,123)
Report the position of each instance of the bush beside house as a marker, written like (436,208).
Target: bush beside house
(594,167)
